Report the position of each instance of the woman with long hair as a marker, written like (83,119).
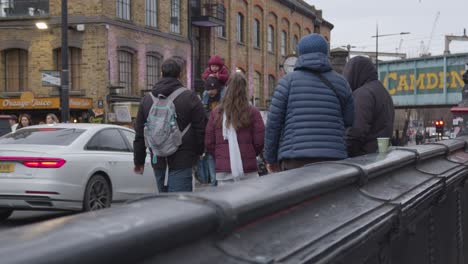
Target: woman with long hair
(24,121)
(235,134)
(51,119)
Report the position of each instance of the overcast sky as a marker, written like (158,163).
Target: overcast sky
(355,22)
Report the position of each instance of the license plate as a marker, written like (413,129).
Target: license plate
(7,167)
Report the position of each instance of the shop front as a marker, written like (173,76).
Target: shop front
(39,107)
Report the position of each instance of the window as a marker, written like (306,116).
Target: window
(15,70)
(175,16)
(123,9)
(283,43)
(294,44)
(221,31)
(240,28)
(271,37)
(40,136)
(152,13)
(107,140)
(74,66)
(125,61)
(152,71)
(130,136)
(24,8)
(256,33)
(258,89)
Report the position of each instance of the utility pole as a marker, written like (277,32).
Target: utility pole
(64,88)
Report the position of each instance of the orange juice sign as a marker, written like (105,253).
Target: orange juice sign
(27,101)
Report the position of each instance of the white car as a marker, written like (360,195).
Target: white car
(69,167)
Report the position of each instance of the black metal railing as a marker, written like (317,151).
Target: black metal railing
(24,8)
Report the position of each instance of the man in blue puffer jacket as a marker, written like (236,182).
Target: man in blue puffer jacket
(308,118)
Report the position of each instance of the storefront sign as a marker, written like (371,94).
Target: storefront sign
(27,101)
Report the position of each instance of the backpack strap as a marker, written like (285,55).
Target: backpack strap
(172,97)
(176,93)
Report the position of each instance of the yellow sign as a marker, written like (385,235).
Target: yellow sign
(27,101)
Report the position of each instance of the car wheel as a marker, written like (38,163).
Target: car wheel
(5,213)
(98,194)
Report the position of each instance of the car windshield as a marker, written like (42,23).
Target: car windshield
(42,136)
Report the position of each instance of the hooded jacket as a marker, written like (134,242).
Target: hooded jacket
(189,110)
(305,118)
(373,112)
(223,73)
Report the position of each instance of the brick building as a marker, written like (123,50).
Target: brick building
(256,38)
(116,48)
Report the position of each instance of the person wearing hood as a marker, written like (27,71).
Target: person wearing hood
(310,110)
(373,112)
(189,111)
(217,69)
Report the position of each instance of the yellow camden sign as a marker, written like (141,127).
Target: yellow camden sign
(28,101)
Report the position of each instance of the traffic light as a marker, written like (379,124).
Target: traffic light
(439,126)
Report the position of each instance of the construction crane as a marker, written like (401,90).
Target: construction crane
(399,46)
(426,49)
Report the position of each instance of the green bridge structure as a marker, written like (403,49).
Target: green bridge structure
(425,82)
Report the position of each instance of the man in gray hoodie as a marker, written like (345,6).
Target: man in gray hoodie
(373,107)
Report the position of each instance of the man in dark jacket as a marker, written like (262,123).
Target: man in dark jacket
(373,107)
(307,118)
(189,110)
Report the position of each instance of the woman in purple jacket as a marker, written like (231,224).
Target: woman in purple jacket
(235,134)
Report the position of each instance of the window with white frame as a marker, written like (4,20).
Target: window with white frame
(152,13)
(295,41)
(123,9)
(284,37)
(271,38)
(256,34)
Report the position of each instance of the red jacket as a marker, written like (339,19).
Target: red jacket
(223,74)
(250,141)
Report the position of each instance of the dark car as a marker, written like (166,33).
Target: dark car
(5,127)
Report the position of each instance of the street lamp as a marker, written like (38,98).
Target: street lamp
(41,25)
(348,47)
(64,92)
(377,43)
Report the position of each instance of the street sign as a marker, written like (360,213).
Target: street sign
(50,78)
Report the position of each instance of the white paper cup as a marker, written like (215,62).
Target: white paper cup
(383,144)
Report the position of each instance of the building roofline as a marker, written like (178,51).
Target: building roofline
(307,10)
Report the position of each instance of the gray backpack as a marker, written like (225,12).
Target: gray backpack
(162,134)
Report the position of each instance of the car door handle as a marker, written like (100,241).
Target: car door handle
(111,162)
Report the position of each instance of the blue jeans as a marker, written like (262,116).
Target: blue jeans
(178,180)
(206,170)
(211,168)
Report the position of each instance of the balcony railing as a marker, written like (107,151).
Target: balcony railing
(208,13)
(24,8)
